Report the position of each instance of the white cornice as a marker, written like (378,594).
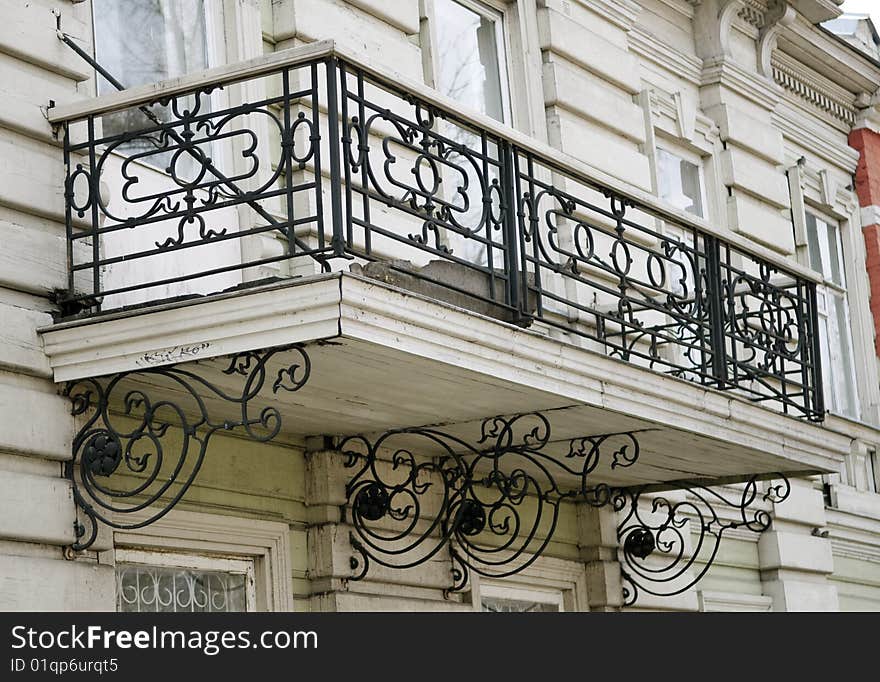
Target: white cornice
(685,8)
(621,13)
(801,127)
(677,63)
(814,88)
(825,54)
(749,85)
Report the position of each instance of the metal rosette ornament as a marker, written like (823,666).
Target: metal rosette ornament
(491,506)
(144,434)
(668,543)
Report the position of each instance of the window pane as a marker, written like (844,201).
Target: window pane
(813,243)
(680,182)
(170,40)
(166,589)
(841,350)
(469,58)
(498,605)
(144,41)
(835,264)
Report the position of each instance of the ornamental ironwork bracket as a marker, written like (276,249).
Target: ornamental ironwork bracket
(494,506)
(669,543)
(146,433)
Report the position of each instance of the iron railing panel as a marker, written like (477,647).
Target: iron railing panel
(332,165)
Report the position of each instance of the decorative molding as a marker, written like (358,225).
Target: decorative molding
(185,531)
(549,572)
(824,189)
(713,22)
(684,8)
(814,89)
(621,13)
(779,15)
(868,107)
(803,130)
(753,13)
(671,106)
(655,51)
(749,85)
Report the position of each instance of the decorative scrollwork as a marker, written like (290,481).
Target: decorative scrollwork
(668,545)
(145,433)
(495,504)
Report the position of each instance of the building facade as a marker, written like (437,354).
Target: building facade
(439,305)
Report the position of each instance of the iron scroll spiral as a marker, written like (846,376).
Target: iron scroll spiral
(136,453)
(668,545)
(492,506)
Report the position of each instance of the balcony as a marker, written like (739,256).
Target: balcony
(438,266)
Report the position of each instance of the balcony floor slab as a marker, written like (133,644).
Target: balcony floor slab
(384,358)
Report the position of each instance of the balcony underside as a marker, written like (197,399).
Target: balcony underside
(383,358)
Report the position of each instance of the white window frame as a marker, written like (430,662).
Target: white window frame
(215,37)
(828,290)
(548,578)
(823,191)
(517,41)
(697,160)
(265,543)
(518,593)
(196,562)
(216,54)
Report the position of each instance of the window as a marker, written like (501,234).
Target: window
(509,599)
(144,41)
(470,56)
(171,39)
(825,252)
(213,548)
(680,182)
(469,65)
(176,583)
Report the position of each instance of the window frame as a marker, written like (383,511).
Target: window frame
(830,289)
(872,464)
(696,159)
(152,558)
(545,575)
(824,190)
(216,52)
(515,592)
(266,543)
(522,86)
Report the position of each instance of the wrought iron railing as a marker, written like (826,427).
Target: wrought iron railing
(310,161)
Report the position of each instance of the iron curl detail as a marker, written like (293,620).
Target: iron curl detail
(492,504)
(668,545)
(138,452)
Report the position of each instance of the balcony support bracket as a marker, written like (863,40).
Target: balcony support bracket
(493,507)
(144,434)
